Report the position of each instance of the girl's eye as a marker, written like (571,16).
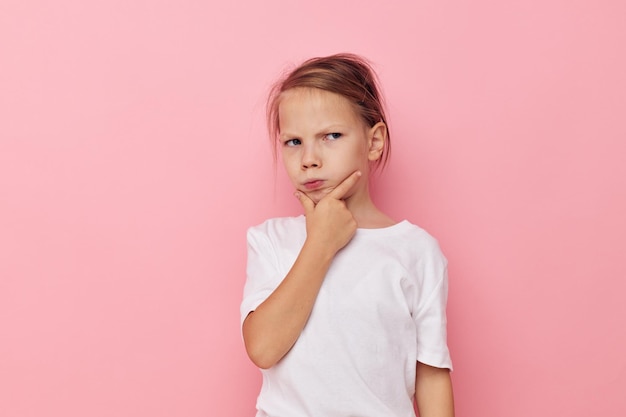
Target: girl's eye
(333,136)
(292,142)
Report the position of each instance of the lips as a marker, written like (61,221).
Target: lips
(313,184)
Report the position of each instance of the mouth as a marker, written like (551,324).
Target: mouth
(313,184)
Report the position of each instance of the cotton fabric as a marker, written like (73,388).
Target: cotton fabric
(380,309)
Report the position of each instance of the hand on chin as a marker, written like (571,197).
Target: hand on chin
(317,195)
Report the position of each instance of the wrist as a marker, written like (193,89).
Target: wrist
(320,250)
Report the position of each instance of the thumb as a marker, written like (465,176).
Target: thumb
(306,202)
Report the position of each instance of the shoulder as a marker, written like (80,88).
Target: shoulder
(417,240)
(277,241)
(278,225)
(279,229)
(404,242)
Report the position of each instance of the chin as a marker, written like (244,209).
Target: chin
(317,195)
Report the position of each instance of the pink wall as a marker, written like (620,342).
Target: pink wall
(133,158)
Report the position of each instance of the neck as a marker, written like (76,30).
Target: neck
(366,214)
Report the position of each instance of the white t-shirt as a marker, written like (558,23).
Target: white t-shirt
(380,309)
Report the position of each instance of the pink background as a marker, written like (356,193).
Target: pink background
(133,157)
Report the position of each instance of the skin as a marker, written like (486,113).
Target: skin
(433,391)
(327,151)
(322,137)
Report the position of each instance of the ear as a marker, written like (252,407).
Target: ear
(377,135)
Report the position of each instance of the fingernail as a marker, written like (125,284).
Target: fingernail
(297,195)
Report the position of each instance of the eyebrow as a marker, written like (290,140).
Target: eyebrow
(329,129)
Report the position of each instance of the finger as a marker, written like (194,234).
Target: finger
(340,191)
(306,202)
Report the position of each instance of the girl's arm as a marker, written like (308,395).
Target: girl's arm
(272,329)
(433,391)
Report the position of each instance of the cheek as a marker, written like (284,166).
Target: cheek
(285,158)
(359,157)
(291,166)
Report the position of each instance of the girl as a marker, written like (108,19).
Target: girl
(343,308)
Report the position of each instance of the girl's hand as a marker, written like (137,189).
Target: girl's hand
(330,223)
(273,328)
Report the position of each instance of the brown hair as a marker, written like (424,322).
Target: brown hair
(348,75)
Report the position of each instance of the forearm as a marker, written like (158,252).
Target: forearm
(272,329)
(433,392)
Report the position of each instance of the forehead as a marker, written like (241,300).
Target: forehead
(312,105)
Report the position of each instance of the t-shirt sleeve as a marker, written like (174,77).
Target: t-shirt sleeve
(430,313)
(261,271)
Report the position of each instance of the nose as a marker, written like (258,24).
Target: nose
(310,157)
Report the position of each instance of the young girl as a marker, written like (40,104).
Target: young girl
(343,308)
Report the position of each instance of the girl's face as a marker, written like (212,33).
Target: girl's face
(324,140)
